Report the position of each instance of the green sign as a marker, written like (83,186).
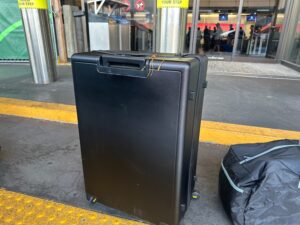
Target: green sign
(12,38)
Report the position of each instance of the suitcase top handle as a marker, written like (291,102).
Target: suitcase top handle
(124,65)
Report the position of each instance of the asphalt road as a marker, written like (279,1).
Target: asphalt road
(49,166)
(264,102)
(260,100)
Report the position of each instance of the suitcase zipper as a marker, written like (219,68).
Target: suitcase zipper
(247,158)
(233,185)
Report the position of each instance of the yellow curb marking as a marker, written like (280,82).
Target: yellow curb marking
(215,132)
(38,110)
(228,134)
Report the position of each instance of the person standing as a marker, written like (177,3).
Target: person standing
(240,39)
(188,38)
(217,37)
(241,33)
(199,36)
(212,38)
(230,36)
(206,38)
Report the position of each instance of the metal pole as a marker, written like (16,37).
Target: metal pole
(274,20)
(39,44)
(237,29)
(154,30)
(170,33)
(84,27)
(193,38)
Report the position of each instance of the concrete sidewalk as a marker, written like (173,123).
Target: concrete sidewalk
(251,69)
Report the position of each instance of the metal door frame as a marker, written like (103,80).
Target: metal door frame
(193,37)
(237,29)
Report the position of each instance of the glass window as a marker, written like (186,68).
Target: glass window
(216,28)
(121,25)
(263,24)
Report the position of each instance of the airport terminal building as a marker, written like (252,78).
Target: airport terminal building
(268,29)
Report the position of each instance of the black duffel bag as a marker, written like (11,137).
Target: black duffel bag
(260,183)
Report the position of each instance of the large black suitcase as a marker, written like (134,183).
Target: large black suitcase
(139,122)
(260,183)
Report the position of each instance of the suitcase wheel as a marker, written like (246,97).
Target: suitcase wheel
(195,195)
(92,200)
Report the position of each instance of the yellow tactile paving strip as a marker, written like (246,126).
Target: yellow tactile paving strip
(20,209)
(215,132)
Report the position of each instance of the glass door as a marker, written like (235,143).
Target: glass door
(263,23)
(216,28)
(276,29)
(259,35)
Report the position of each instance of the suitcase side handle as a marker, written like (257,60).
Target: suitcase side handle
(123,66)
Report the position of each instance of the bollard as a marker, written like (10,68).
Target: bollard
(171,26)
(38,37)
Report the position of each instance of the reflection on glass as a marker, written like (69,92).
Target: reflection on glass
(260,26)
(140,15)
(120,24)
(216,27)
(294,52)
